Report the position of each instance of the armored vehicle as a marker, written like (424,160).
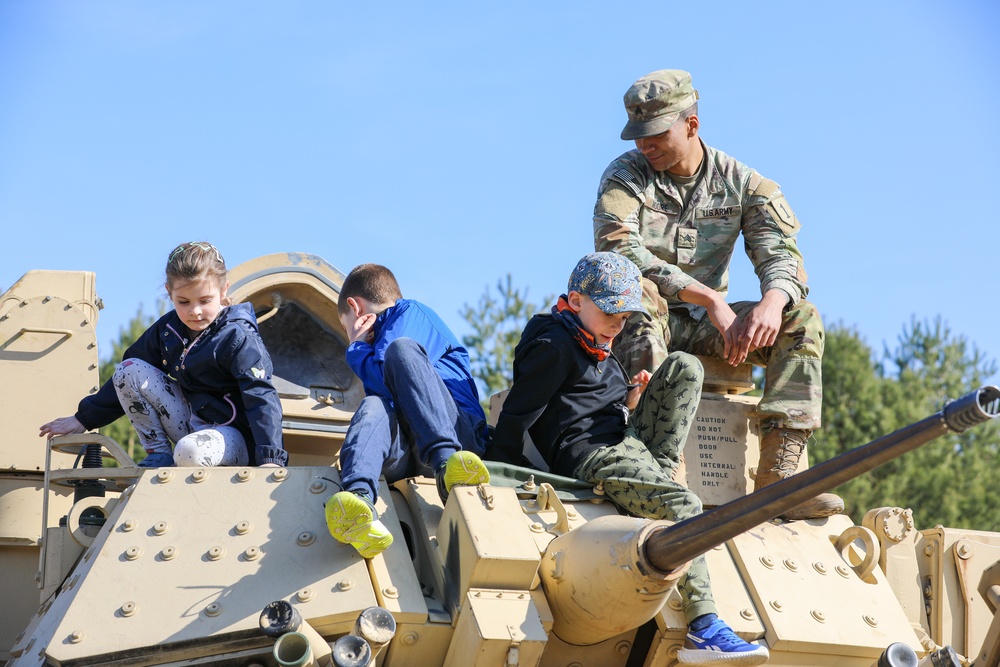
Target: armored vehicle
(106,563)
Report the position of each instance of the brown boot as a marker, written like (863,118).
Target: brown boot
(780,451)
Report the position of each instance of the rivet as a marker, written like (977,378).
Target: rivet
(537,528)
(818,615)
(252,553)
(964,551)
(843,571)
(305,595)
(91,367)
(243,527)
(870,620)
(819,567)
(531,503)
(623,647)
(129,525)
(215,553)
(775,605)
(280,475)
(164,476)
(132,553)
(574,664)
(128,608)
(199,475)
(390,592)
(767,562)
(345,584)
(305,538)
(747,614)
(409,639)
(319,486)
(572,515)
(76,637)
(47,299)
(91,346)
(213,609)
(791,564)
(675,604)
(245,474)
(160,527)
(168,553)
(929,550)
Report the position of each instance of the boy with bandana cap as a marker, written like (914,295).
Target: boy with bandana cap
(589,421)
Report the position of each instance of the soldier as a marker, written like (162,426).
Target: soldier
(676,208)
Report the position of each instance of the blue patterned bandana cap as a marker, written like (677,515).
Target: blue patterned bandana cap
(612,282)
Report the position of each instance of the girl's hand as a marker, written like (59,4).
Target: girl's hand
(639,382)
(61,426)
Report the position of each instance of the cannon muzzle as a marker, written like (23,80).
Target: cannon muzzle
(614,572)
(668,548)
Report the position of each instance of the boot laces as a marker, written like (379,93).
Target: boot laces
(791,444)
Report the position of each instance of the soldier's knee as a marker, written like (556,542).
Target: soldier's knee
(805,314)
(804,326)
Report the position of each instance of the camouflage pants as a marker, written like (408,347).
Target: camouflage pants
(793,381)
(637,474)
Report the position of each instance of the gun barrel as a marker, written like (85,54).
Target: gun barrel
(670,547)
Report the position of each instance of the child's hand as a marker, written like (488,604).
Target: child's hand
(363,329)
(61,426)
(639,382)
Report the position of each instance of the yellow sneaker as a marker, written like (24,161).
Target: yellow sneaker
(352,519)
(463,468)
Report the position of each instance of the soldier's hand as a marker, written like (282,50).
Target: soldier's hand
(61,426)
(724,319)
(761,325)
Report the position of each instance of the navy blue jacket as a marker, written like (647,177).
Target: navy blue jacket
(225,375)
(413,320)
(565,401)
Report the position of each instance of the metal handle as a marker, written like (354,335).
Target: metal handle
(41,330)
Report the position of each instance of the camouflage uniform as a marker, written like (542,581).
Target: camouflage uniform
(637,474)
(640,214)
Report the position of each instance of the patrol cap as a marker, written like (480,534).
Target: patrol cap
(612,282)
(655,101)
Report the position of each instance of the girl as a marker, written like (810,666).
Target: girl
(200,377)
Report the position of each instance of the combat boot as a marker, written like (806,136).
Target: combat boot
(780,451)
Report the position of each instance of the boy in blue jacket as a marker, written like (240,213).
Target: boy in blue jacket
(421,413)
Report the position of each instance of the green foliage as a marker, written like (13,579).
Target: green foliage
(121,429)
(949,481)
(497,321)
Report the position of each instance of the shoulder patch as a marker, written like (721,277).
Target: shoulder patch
(628,179)
(762,187)
(617,201)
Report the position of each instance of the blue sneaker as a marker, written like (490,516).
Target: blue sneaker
(717,644)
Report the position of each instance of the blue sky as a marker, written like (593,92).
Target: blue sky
(458,142)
